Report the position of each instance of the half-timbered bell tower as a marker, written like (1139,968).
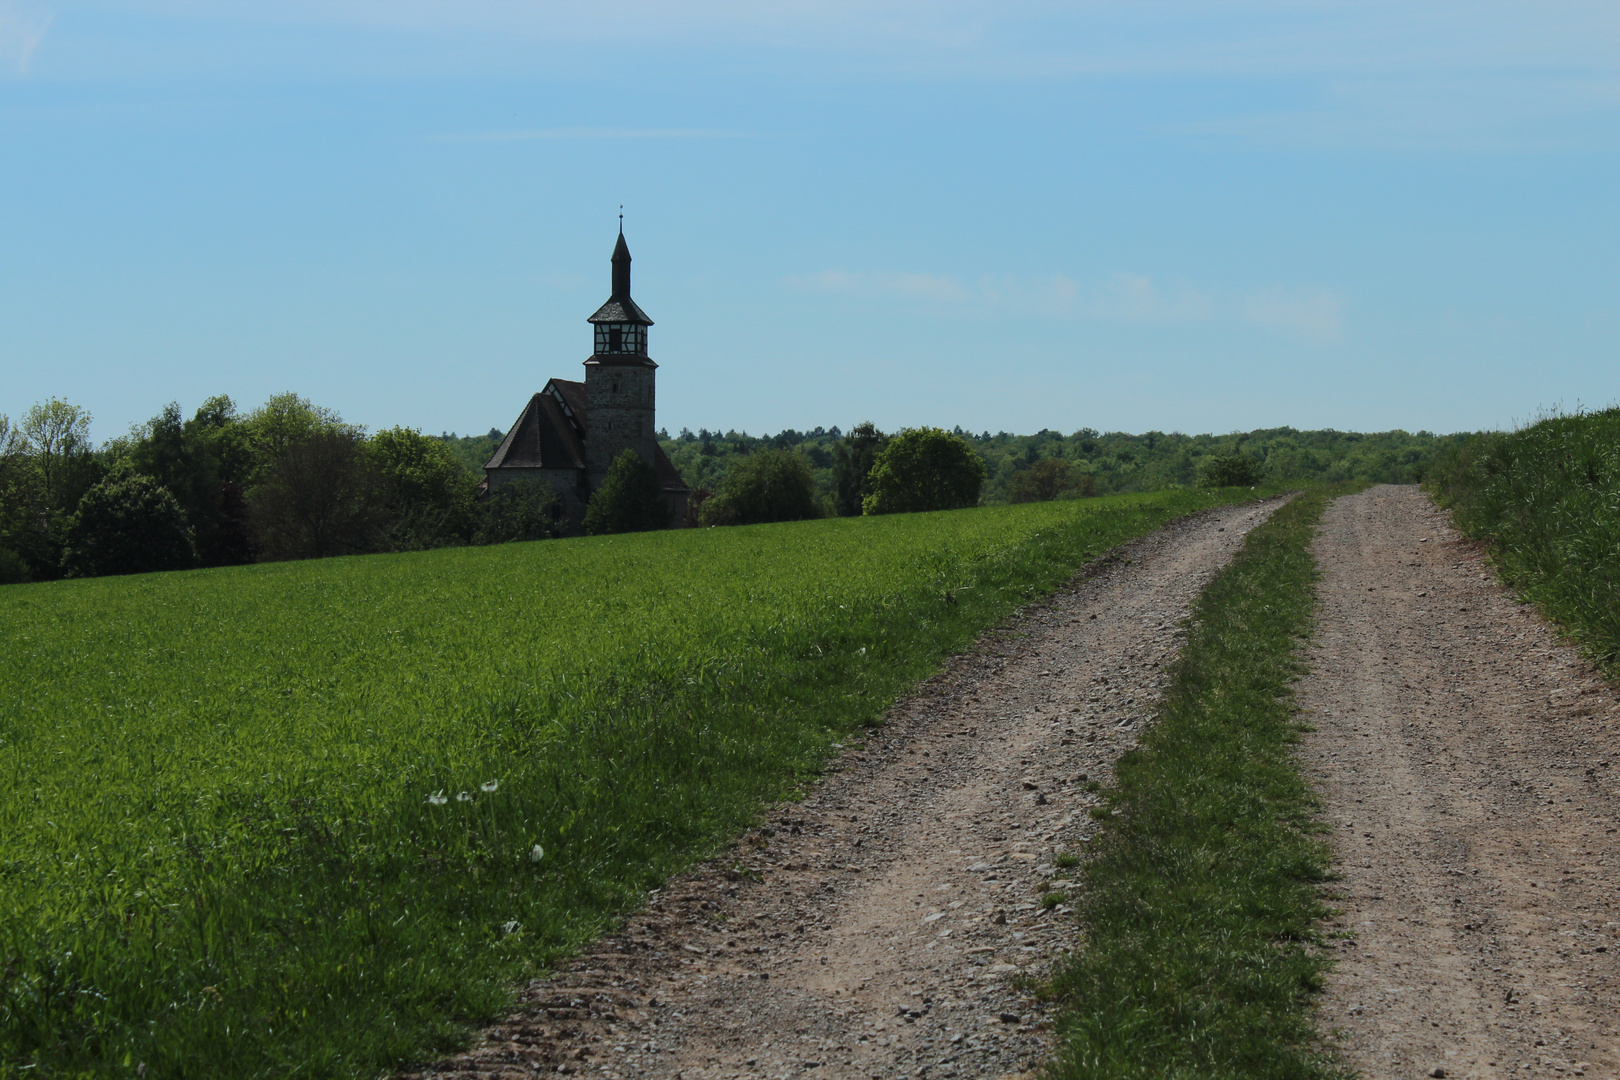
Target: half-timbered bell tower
(619,391)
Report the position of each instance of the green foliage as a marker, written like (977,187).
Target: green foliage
(1547,500)
(1231,470)
(1116,461)
(516,510)
(1201,900)
(924,469)
(127,524)
(1050,478)
(203,462)
(769,485)
(853,457)
(629,500)
(426,491)
(233,833)
(321,495)
(13,568)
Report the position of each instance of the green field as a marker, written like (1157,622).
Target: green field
(313,819)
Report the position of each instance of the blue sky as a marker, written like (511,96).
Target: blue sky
(1129,216)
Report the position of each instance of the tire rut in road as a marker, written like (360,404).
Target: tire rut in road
(881,926)
(1465,753)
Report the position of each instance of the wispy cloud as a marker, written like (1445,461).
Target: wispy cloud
(595,133)
(22,28)
(1312,313)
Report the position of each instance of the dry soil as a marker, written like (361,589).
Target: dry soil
(1466,755)
(884,926)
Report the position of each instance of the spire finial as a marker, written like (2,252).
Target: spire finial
(621,219)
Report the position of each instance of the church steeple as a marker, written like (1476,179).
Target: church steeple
(621,326)
(621,268)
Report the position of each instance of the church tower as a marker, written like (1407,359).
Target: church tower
(619,396)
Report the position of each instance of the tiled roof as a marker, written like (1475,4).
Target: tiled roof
(620,310)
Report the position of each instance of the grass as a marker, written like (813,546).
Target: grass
(1547,500)
(1201,898)
(315,819)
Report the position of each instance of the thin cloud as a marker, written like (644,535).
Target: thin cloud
(22,28)
(1314,313)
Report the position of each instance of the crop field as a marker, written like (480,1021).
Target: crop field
(314,819)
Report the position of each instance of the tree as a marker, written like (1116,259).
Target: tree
(321,496)
(630,499)
(127,524)
(57,434)
(1050,478)
(427,491)
(767,485)
(924,469)
(852,466)
(514,511)
(1231,470)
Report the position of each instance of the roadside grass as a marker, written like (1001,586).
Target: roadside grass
(1202,893)
(316,819)
(1546,498)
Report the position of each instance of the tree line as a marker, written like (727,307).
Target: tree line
(288,480)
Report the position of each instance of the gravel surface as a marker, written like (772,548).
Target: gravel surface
(1467,758)
(885,925)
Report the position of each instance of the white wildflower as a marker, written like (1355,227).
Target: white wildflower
(536,853)
(510,927)
(489,785)
(437,799)
(463,797)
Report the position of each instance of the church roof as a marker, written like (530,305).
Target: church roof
(551,432)
(543,437)
(620,310)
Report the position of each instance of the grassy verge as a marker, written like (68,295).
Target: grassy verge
(1546,499)
(314,819)
(1201,898)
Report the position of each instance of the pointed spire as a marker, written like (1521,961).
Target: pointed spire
(621,267)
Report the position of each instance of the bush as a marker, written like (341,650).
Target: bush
(127,524)
(630,499)
(1050,479)
(1231,470)
(13,568)
(515,511)
(768,485)
(924,469)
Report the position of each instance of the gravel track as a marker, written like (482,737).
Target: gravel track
(885,925)
(1466,756)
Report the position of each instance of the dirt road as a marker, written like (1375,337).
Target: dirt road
(878,928)
(1467,757)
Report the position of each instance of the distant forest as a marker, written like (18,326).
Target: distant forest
(1118,462)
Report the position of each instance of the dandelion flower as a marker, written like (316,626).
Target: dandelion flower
(463,797)
(536,853)
(437,798)
(489,785)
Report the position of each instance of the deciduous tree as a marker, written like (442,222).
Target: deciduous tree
(924,469)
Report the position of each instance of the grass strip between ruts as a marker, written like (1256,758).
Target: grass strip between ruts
(1202,894)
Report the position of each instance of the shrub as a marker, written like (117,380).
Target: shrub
(127,524)
(768,485)
(1231,470)
(520,510)
(924,469)
(630,499)
(13,568)
(1052,478)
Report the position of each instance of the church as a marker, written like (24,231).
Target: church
(570,432)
